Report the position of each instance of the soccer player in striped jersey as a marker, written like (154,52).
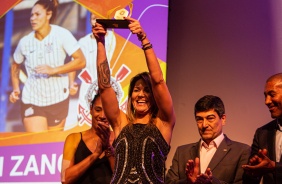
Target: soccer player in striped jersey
(45,95)
(88,75)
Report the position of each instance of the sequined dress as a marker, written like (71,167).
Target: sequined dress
(140,152)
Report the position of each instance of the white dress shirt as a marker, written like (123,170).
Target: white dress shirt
(207,151)
(278,144)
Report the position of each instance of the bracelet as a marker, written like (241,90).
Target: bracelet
(143,38)
(149,47)
(109,151)
(143,45)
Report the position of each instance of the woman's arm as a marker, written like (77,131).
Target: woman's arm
(70,171)
(77,63)
(110,154)
(73,86)
(15,72)
(108,95)
(160,89)
(106,135)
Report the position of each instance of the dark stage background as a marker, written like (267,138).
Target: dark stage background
(224,48)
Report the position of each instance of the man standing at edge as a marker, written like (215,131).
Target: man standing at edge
(265,164)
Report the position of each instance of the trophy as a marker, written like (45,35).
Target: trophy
(117,22)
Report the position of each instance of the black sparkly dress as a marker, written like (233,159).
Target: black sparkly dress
(140,152)
(98,173)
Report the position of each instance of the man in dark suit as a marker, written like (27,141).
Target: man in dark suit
(266,162)
(213,159)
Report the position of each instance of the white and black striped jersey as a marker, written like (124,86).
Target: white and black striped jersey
(43,89)
(88,75)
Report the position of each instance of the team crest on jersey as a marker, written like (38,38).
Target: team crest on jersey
(49,47)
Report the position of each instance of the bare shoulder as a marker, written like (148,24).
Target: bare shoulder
(70,146)
(73,138)
(123,119)
(165,128)
(166,125)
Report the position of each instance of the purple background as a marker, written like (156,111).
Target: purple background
(27,150)
(154,22)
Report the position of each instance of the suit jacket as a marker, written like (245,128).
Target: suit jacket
(225,164)
(265,138)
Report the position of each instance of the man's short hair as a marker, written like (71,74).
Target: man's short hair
(210,102)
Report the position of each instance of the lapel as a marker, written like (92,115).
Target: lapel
(272,137)
(220,153)
(195,150)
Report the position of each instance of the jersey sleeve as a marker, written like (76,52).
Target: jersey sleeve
(70,43)
(18,54)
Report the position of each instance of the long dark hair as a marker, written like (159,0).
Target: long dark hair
(49,5)
(145,76)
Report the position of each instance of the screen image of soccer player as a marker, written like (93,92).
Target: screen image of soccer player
(37,156)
